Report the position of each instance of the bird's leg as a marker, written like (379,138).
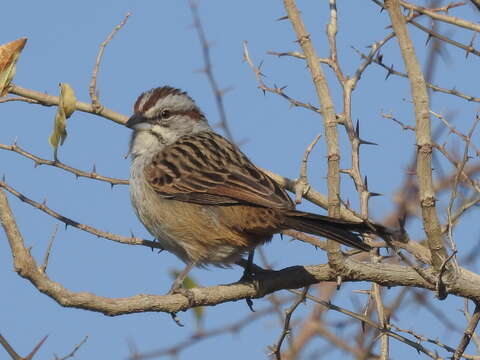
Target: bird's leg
(177,288)
(178,283)
(248,271)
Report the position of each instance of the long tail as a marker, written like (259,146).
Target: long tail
(344,232)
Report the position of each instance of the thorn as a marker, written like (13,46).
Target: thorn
(281,236)
(36,348)
(44,202)
(66,226)
(250,304)
(365,142)
(36,164)
(94,168)
(428,38)
(372,194)
(389,72)
(365,180)
(282,18)
(260,66)
(357,129)
(3,178)
(176,319)
(15,142)
(111,186)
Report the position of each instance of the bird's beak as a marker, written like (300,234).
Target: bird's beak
(137,122)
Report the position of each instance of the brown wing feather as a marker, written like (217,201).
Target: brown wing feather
(194,169)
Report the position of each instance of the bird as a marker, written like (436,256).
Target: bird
(201,197)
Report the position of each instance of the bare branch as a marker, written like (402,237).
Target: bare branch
(392,71)
(8,348)
(52,100)
(468,333)
(49,249)
(11,99)
(423,132)
(445,18)
(92,89)
(276,90)
(69,222)
(468,48)
(56,163)
(327,110)
(276,349)
(301,185)
(74,350)
(208,70)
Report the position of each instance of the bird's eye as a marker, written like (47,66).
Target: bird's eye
(165,114)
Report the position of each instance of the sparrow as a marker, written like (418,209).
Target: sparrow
(201,197)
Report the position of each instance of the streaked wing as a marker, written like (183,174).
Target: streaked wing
(206,169)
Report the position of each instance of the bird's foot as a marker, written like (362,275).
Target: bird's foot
(178,289)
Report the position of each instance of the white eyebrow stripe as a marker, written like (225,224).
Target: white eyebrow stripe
(173,102)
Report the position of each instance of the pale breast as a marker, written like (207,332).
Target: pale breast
(193,232)
(152,211)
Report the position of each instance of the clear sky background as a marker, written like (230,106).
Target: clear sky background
(159,46)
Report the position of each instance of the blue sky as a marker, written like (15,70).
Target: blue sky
(159,46)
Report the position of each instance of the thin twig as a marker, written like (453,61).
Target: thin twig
(391,71)
(208,70)
(49,249)
(275,90)
(370,322)
(277,348)
(441,291)
(468,333)
(467,48)
(23,99)
(77,172)
(74,350)
(456,182)
(8,348)
(92,89)
(475,337)
(445,18)
(196,337)
(302,185)
(69,222)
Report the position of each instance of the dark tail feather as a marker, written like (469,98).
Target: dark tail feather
(344,232)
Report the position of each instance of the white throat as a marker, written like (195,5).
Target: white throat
(145,143)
